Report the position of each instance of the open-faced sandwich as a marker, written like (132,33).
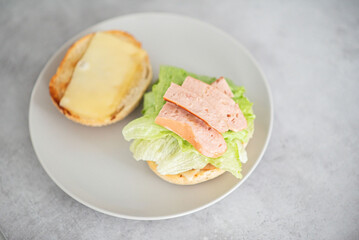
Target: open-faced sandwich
(193,128)
(101,79)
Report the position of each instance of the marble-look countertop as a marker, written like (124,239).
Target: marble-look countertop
(307,184)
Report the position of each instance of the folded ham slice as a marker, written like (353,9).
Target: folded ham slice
(226,109)
(208,103)
(205,139)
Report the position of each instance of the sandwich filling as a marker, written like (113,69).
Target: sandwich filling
(176,139)
(203,137)
(103,76)
(208,103)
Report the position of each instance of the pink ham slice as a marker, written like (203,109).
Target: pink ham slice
(220,98)
(205,139)
(208,103)
(222,85)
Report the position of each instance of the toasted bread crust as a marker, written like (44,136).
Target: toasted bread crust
(62,78)
(207,173)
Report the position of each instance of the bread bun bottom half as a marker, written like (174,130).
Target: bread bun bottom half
(195,176)
(62,78)
(207,173)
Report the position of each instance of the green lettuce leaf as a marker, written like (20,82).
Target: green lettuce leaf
(172,153)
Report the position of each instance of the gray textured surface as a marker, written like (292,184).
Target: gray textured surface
(307,185)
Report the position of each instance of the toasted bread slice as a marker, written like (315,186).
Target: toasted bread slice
(62,78)
(189,177)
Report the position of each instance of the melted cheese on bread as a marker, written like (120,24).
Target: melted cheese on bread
(102,77)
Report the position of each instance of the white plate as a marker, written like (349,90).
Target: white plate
(95,165)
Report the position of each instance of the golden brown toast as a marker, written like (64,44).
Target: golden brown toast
(62,78)
(196,176)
